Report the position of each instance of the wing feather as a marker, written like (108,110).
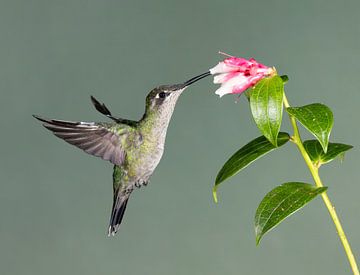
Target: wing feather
(94,138)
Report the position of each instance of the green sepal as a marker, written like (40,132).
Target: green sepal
(266,103)
(284,78)
(246,155)
(316,118)
(318,156)
(280,203)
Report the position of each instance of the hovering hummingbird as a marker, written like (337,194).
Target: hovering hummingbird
(134,147)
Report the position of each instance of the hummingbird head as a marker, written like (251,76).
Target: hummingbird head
(160,105)
(163,98)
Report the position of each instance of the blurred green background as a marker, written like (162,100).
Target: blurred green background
(55,200)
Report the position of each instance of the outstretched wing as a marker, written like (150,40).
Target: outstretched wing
(96,139)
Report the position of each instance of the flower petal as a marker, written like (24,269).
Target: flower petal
(235,85)
(221,78)
(236,74)
(221,68)
(238,62)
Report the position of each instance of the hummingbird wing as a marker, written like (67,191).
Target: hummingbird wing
(97,139)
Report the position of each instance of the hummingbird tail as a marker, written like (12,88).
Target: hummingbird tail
(117,214)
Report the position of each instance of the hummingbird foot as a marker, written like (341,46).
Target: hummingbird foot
(140,183)
(129,189)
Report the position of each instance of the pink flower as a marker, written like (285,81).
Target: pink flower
(236,74)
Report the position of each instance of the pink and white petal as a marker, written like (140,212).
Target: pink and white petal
(221,78)
(261,71)
(237,62)
(255,79)
(238,89)
(222,91)
(238,82)
(220,68)
(236,74)
(257,64)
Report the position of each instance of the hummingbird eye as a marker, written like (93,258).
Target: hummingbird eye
(162,95)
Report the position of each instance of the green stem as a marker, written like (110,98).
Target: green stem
(315,173)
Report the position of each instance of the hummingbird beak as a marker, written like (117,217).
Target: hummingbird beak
(181,87)
(196,78)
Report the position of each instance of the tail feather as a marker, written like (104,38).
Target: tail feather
(100,107)
(117,214)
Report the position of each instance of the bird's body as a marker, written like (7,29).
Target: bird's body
(134,147)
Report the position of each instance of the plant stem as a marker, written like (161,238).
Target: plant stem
(315,173)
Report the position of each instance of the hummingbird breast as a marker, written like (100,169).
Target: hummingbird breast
(152,130)
(144,159)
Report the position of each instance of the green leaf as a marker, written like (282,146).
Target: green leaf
(280,203)
(246,155)
(318,156)
(266,103)
(317,118)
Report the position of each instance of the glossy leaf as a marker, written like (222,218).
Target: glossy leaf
(266,103)
(280,203)
(317,118)
(318,156)
(246,155)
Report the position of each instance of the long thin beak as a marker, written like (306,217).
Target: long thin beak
(182,86)
(196,78)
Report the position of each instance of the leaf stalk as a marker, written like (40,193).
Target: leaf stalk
(296,138)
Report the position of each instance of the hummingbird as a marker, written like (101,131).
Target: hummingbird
(133,147)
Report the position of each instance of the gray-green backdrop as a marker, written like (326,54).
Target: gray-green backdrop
(55,199)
